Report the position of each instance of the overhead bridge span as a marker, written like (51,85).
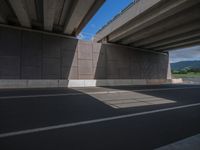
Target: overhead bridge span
(39,48)
(157,25)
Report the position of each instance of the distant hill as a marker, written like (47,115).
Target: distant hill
(185,64)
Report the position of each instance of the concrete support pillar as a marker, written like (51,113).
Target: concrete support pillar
(169,74)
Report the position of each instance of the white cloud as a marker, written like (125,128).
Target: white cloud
(192,53)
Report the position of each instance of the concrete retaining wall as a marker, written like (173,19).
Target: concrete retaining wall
(33,56)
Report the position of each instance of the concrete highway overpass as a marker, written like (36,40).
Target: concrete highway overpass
(39,47)
(156,25)
(59,16)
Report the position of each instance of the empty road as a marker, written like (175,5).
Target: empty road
(138,117)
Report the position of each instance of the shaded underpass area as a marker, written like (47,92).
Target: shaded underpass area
(131,117)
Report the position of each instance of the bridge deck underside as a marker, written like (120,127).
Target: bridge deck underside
(59,16)
(165,26)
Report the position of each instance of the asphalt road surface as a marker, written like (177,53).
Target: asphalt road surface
(136,118)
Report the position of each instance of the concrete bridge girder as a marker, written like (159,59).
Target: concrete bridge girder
(177,38)
(21,12)
(169,34)
(177,44)
(151,17)
(181,18)
(157,25)
(191,44)
(59,16)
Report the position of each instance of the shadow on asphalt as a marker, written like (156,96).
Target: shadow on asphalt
(35,112)
(27,113)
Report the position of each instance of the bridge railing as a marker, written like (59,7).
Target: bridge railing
(119,14)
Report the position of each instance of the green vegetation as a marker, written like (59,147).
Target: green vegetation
(186,73)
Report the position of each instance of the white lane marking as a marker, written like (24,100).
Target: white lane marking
(103,92)
(28,131)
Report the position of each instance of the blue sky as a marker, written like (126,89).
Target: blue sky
(111,8)
(185,54)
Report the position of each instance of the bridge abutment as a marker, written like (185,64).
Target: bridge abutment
(31,56)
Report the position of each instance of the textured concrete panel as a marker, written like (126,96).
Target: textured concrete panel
(9,67)
(69,43)
(31,55)
(85,66)
(69,61)
(112,76)
(85,50)
(113,68)
(113,53)
(135,70)
(96,57)
(99,72)
(32,43)
(97,47)
(10,42)
(125,73)
(86,76)
(31,72)
(69,58)
(35,61)
(51,46)
(99,60)
(51,68)
(125,62)
(65,72)
(69,72)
